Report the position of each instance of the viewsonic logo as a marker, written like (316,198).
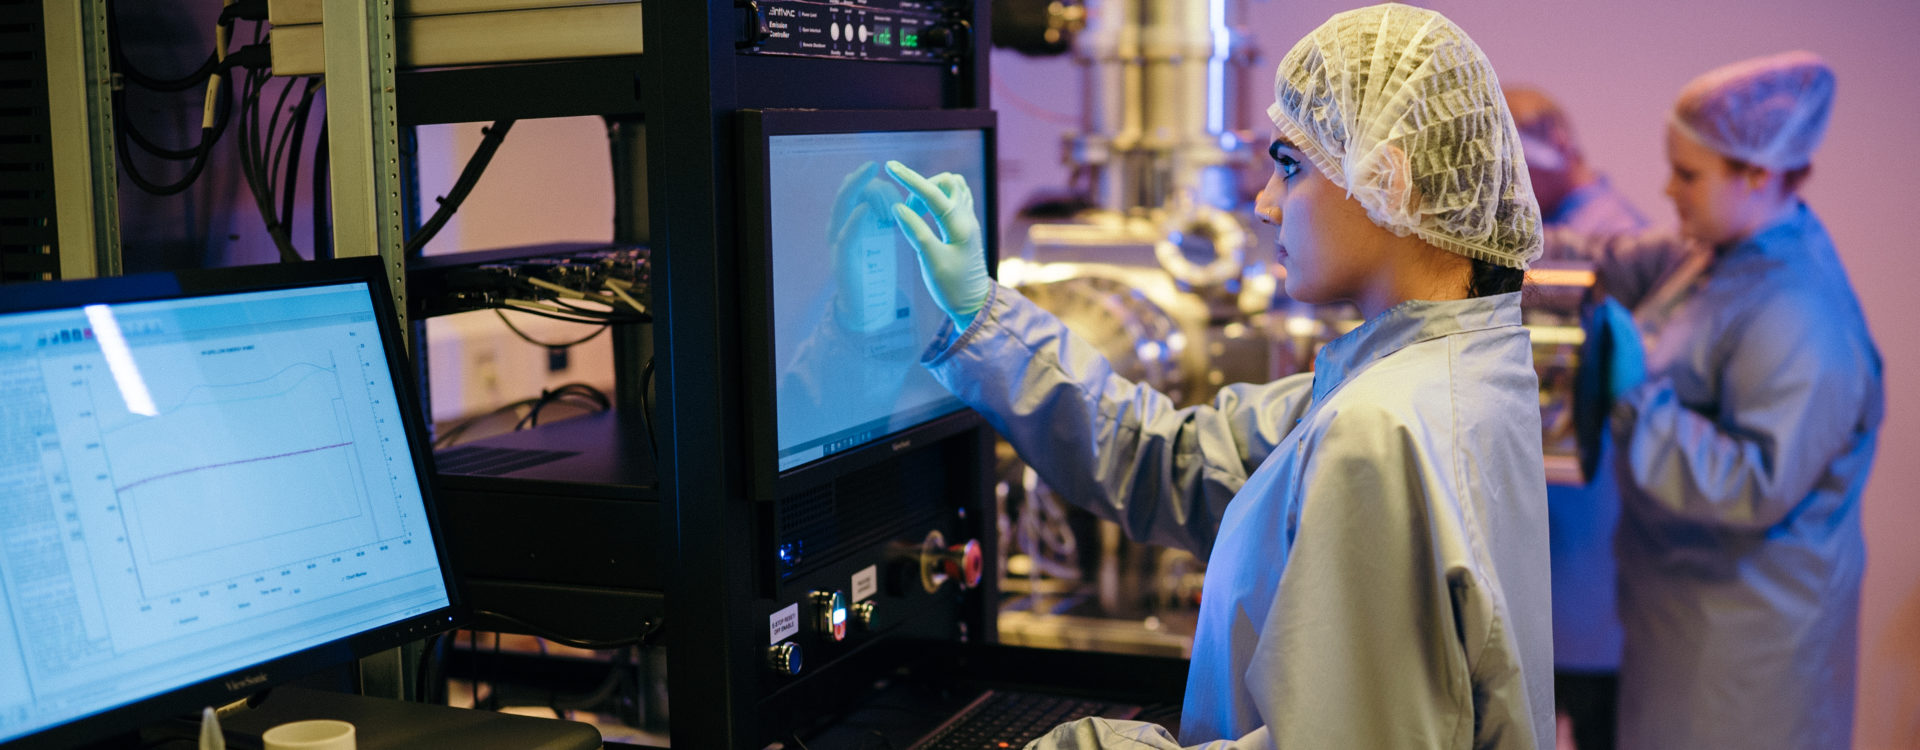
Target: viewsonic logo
(900,445)
(248,681)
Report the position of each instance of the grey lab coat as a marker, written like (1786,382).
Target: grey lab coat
(1740,464)
(1375,530)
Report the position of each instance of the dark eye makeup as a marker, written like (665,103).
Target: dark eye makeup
(1289,166)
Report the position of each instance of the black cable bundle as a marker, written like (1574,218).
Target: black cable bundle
(490,139)
(270,160)
(127,134)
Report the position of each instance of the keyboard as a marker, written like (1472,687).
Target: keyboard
(1003,719)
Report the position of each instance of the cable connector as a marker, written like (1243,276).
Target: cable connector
(258,56)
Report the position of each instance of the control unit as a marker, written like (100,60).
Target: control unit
(924,31)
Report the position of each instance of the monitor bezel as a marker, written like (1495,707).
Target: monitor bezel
(757,128)
(226,688)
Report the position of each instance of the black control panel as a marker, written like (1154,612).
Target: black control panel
(922,31)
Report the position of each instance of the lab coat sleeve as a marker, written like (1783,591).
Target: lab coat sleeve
(1792,389)
(1118,449)
(1116,734)
(1372,630)
(1626,266)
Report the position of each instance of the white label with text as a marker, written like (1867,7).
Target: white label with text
(783,624)
(865,583)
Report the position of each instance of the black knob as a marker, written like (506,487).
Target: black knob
(952,36)
(754,27)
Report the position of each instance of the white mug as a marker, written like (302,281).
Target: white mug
(313,734)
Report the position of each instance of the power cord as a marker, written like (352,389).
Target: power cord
(124,66)
(453,433)
(322,200)
(217,108)
(469,175)
(563,345)
(573,390)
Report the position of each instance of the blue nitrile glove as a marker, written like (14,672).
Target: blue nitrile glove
(955,267)
(1627,357)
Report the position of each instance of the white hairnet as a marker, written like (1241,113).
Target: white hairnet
(1396,105)
(1768,111)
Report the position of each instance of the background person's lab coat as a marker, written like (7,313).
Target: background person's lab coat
(1740,464)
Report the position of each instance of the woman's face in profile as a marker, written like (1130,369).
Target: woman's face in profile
(1718,203)
(1323,242)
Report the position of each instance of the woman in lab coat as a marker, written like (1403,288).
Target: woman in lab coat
(1745,428)
(1376,529)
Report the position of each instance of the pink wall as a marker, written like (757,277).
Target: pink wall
(549,182)
(1616,66)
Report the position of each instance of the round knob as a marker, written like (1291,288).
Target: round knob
(963,562)
(939,562)
(784,658)
(941,35)
(863,615)
(830,613)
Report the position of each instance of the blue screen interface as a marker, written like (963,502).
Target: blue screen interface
(195,486)
(851,314)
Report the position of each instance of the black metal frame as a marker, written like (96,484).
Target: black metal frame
(694,81)
(687,88)
(29,240)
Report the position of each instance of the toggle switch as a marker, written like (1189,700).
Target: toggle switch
(830,613)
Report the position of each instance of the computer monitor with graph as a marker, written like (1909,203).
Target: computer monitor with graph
(210,483)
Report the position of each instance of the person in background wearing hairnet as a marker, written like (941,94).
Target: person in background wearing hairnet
(1572,194)
(1580,518)
(1745,416)
(1375,530)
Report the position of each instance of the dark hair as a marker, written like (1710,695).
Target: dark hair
(1790,179)
(1490,279)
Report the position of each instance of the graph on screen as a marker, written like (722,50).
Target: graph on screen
(196,483)
(292,423)
(238,470)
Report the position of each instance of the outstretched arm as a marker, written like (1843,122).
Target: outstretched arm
(1793,395)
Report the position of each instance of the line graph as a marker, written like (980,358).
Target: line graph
(252,449)
(232,465)
(189,470)
(233,394)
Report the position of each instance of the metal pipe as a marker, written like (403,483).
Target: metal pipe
(1156,76)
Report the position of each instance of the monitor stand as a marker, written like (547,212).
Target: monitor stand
(383,723)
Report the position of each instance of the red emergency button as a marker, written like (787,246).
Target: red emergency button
(963,562)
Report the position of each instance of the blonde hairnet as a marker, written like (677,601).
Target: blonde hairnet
(1768,111)
(1396,105)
